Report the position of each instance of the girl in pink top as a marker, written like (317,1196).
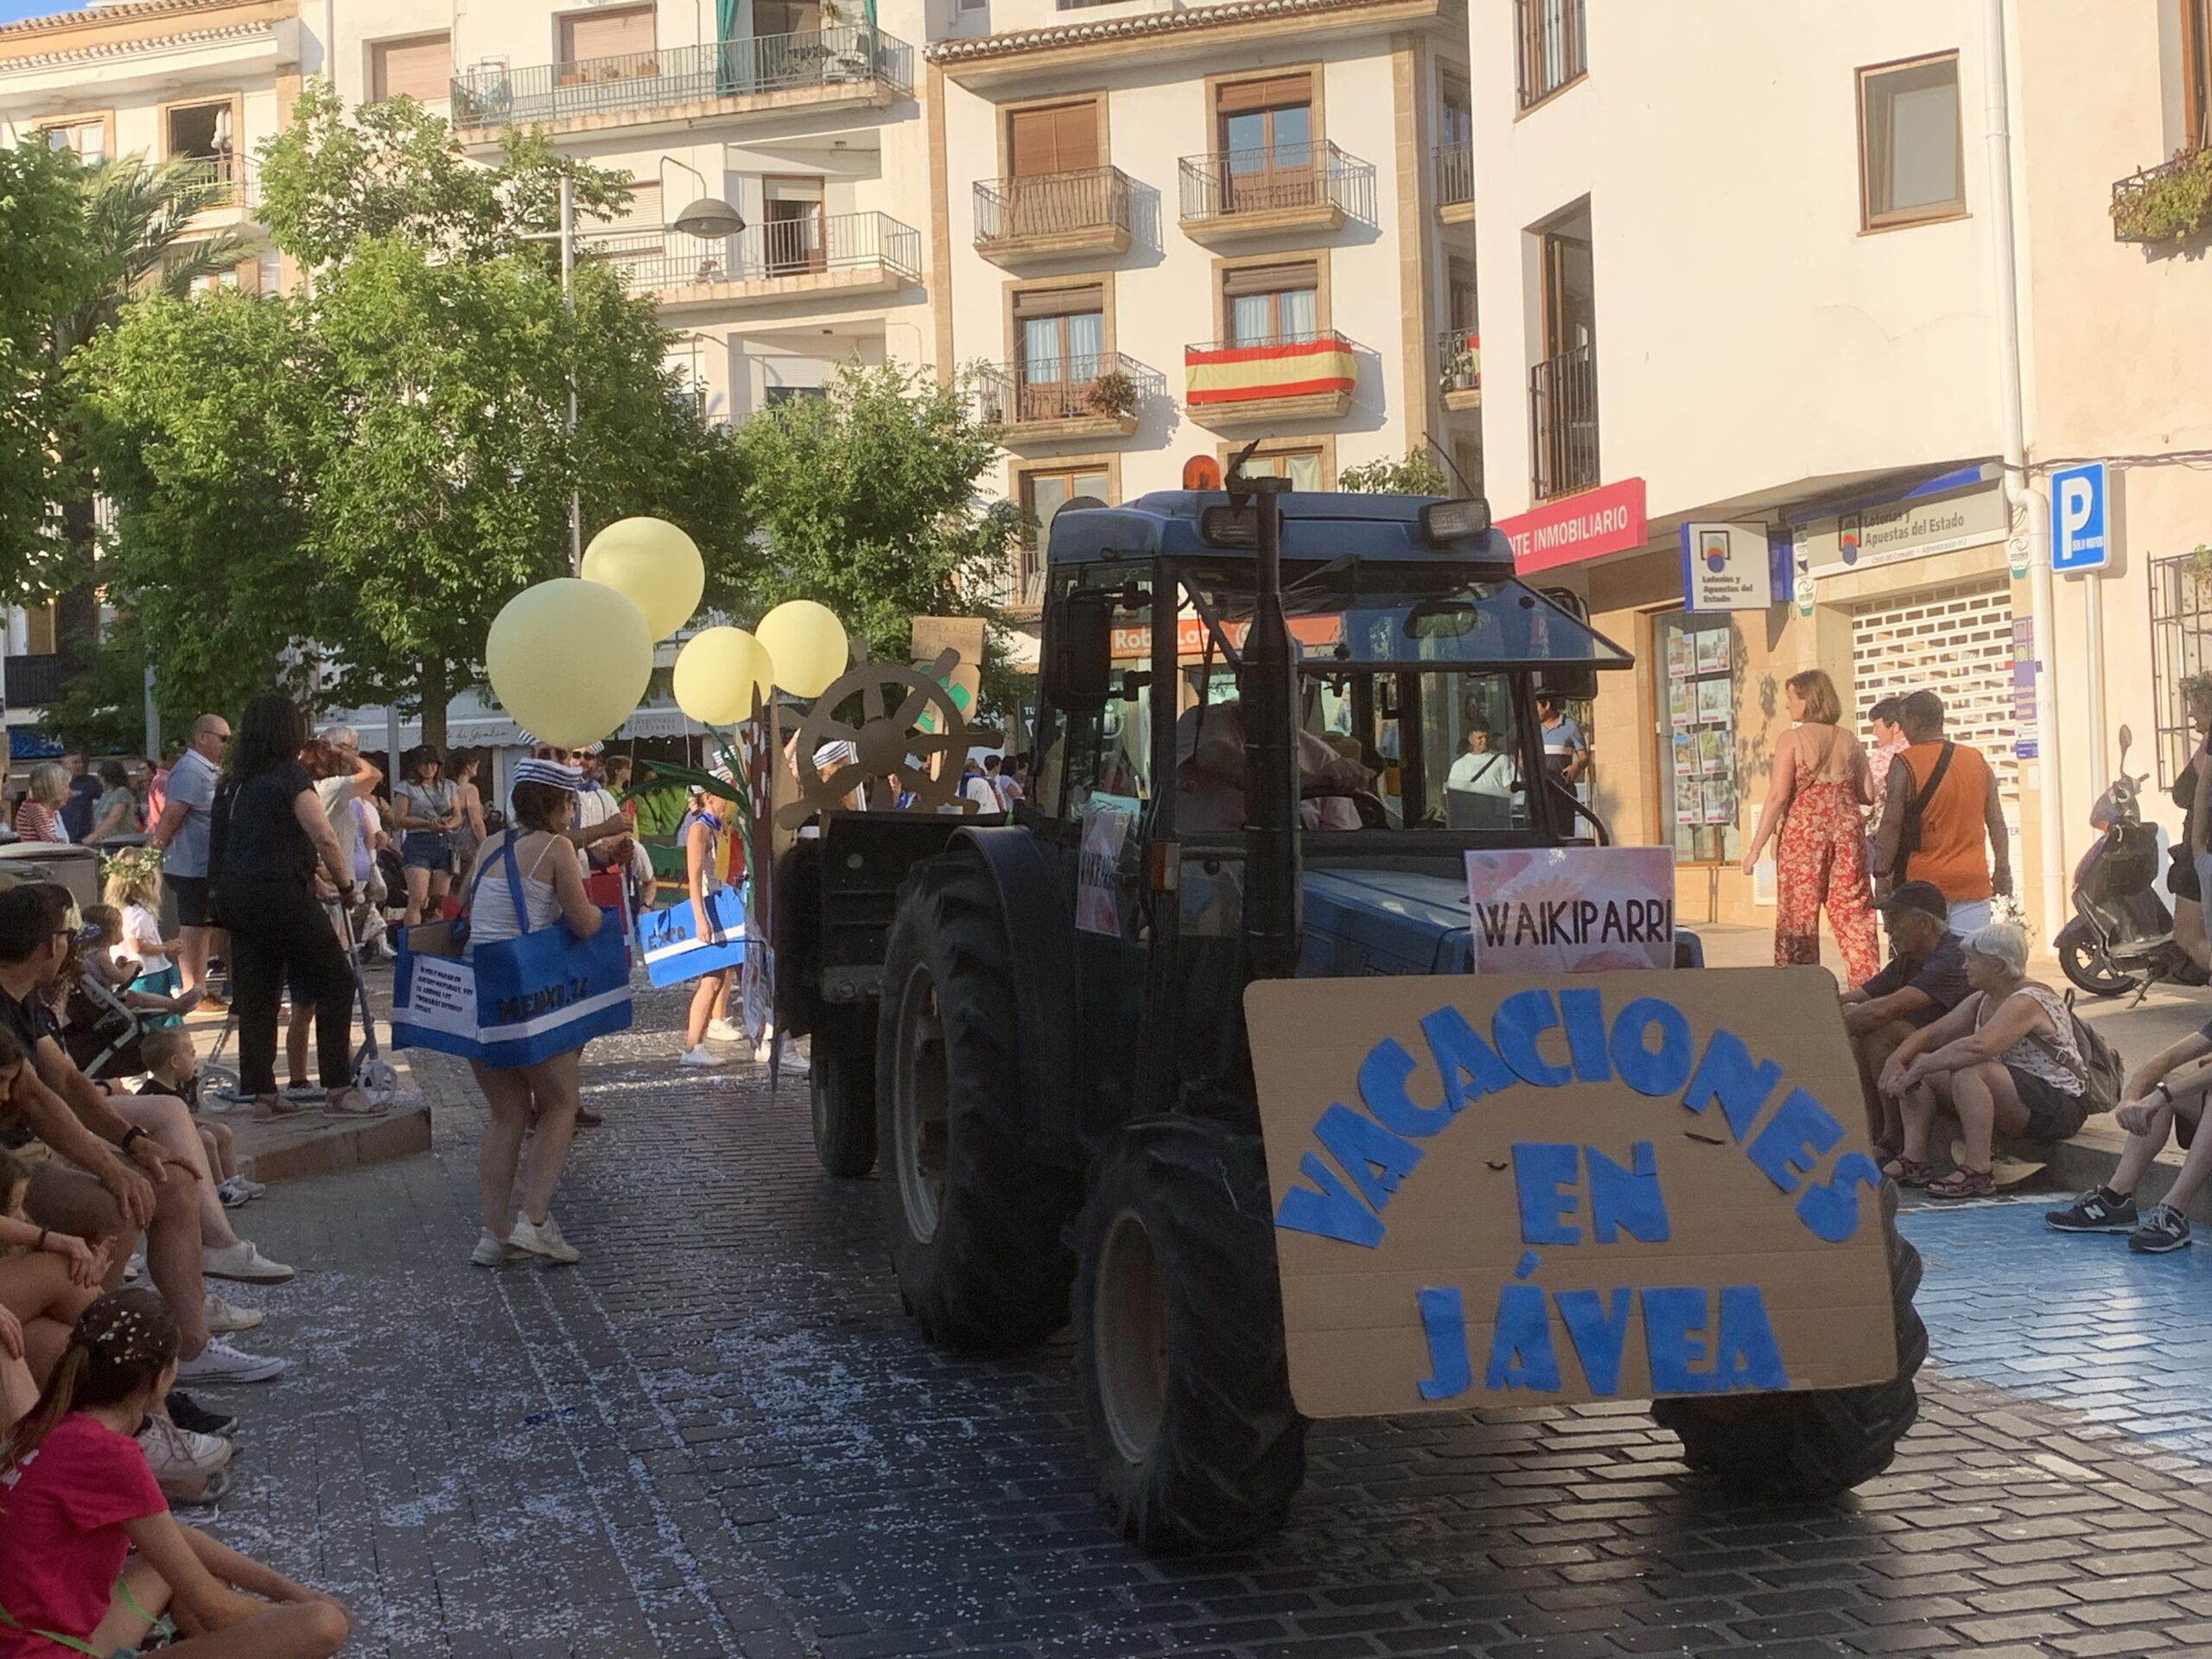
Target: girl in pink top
(76,1498)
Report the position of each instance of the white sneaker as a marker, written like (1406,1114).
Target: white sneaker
(722,1032)
(245,1262)
(223,1320)
(135,1268)
(543,1238)
(252,1188)
(699,1056)
(220,1363)
(178,1457)
(492,1251)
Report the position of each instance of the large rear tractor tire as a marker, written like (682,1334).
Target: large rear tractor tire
(1817,1444)
(841,1081)
(1179,1358)
(975,1226)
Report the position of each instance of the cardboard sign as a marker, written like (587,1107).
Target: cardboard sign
(1546,1189)
(1572,909)
(1098,909)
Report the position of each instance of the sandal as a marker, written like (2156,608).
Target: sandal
(266,1106)
(1885,1154)
(1908,1171)
(352,1101)
(1964,1183)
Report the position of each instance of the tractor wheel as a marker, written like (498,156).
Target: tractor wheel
(974,1224)
(1180,1356)
(841,1079)
(1819,1444)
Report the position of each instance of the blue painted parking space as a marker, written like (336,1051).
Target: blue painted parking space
(2079,1321)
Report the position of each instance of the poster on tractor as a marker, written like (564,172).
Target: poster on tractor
(1546,1189)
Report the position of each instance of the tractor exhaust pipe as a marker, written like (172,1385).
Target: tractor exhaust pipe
(1271,783)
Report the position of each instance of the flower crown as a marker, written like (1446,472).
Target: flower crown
(133,863)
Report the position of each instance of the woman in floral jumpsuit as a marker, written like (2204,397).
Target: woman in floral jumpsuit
(1817,801)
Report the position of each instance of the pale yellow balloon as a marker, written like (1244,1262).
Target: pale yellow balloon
(568,659)
(718,673)
(653,563)
(807,644)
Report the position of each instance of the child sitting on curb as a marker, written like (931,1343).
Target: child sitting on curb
(173,1069)
(2158,1102)
(76,1498)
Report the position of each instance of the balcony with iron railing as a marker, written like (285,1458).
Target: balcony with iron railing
(1231,193)
(1453,167)
(1016,584)
(2167,205)
(1048,214)
(1555,47)
(843,253)
(229,181)
(1262,380)
(1460,368)
(1563,424)
(845,67)
(1098,396)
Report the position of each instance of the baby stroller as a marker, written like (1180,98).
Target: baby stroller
(101,1031)
(220,1086)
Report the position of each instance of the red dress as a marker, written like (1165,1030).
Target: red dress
(1820,858)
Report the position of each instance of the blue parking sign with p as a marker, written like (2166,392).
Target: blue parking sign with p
(2079,540)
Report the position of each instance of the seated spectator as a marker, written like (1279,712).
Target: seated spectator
(2158,1101)
(172,1070)
(2004,1059)
(38,817)
(1924,979)
(81,1498)
(115,811)
(47,1279)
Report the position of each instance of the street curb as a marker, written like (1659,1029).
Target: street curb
(2078,1165)
(291,1149)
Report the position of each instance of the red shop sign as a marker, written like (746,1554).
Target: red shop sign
(1608,519)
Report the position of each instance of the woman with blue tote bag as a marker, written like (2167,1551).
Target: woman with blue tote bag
(533,865)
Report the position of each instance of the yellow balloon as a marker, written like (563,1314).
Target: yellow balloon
(568,659)
(718,673)
(653,564)
(806,642)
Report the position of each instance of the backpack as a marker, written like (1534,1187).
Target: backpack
(1915,810)
(2105,1074)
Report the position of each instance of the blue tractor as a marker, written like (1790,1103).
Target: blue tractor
(1270,726)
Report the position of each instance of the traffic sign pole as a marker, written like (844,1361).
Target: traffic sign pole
(2080,544)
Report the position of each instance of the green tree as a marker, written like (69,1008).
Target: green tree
(867,498)
(1418,473)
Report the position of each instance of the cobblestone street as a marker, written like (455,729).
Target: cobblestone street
(720,1435)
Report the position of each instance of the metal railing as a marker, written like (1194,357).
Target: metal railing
(849,55)
(1230,181)
(1459,361)
(226,178)
(1563,423)
(33,682)
(2132,189)
(1100,383)
(1454,166)
(1018,584)
(1554,46)
(785,248)
(1051,204)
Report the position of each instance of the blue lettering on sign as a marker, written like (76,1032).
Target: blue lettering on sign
(1376,1160)
(1648,1071)
(1794,1139)
(1599,1331)
(1583,1011)
(1539,1174)
(1521,1354)
(1520,1019)
(1444,1322)
(1626,1200)
(1831,1210)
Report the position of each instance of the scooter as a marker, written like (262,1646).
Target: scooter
(2121,936)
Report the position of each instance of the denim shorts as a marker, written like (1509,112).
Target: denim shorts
(427,850)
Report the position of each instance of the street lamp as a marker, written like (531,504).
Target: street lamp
(709,219)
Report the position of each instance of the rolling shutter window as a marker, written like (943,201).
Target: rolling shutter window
(645,208)
(420,68)
(1059,302)
(1957,642)
(1061,139)
(1271,279)
(607,34)
(1276,91)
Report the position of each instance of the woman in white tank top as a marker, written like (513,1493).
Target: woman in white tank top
(539,1101)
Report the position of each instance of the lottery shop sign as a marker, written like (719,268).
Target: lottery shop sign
(1539,1189)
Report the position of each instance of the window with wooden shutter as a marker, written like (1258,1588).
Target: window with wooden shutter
(1059,301)
(1270,92)
(627,33)
(1272,304)
(1061,138)
(420,68)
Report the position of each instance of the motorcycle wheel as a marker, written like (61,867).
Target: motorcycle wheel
(2087,969)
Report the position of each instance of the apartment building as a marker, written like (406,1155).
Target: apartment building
(1752,361)
(1165,232)
(202,80)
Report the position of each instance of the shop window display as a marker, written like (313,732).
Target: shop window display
(1696,659)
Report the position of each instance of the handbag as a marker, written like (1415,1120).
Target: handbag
(514,1001)
(668,941)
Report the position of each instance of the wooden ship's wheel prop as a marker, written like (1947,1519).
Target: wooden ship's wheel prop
(847,741)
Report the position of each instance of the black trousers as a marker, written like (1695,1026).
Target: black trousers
(278,930)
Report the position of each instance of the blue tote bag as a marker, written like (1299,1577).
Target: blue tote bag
(668,939)
(510,1001)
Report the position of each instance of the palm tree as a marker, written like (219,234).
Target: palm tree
(137,217)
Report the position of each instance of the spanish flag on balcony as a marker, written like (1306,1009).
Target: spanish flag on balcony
(1238,374)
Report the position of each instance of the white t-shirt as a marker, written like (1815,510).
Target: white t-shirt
(142,940)
(1481,774)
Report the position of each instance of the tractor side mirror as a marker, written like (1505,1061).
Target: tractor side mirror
(1078,663)
(1568,684)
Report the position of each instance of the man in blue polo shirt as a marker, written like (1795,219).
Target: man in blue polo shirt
(1924,980)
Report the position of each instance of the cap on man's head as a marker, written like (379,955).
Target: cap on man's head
(1924,896)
